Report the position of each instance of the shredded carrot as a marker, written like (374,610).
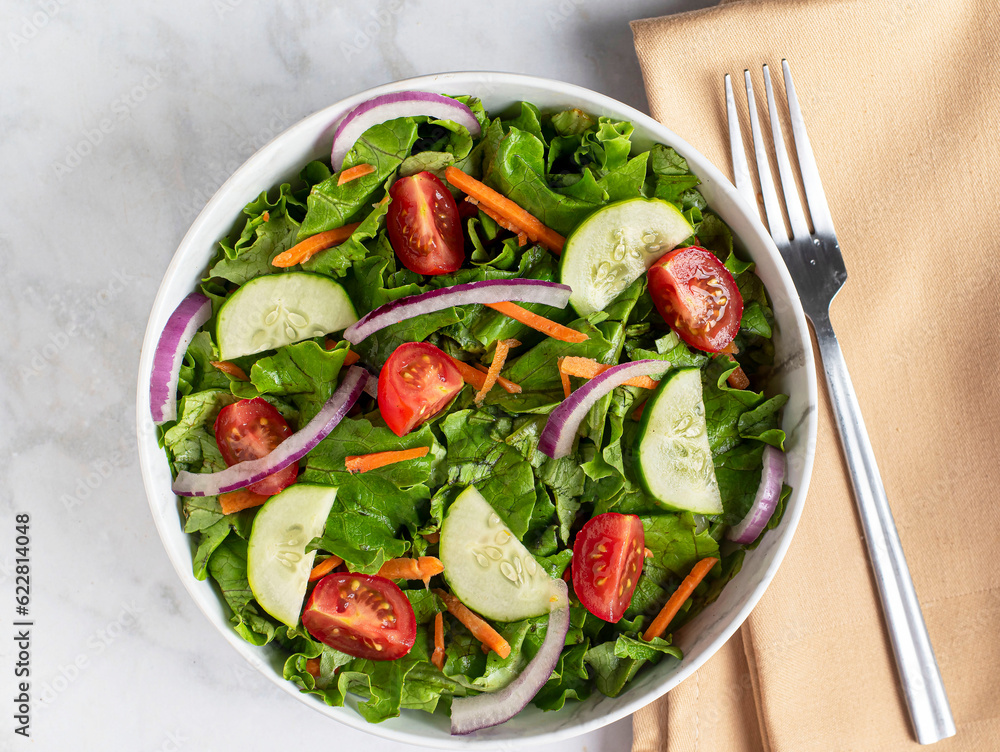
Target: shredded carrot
(588,368)
(362,463)
(480,629)
(237,501)
(509,386)
(266,216)
(499,358)
(312,666)
(412,569)
(474,377)
(350,359)
(490,200)
(432,537)
(522,237)
(647,554)
(324,568)
(309,247)
(637,414)
(230,369)
(437,657)
(470,375)
(672,606)
(738,378)
(539,323)
(353,173)
(567,388)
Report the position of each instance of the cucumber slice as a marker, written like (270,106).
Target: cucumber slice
(615,245)
(674,460)
(486,565)
(277,563)
(278,309)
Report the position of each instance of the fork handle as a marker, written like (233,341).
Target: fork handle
(921,679)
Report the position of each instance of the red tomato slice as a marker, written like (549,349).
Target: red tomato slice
(416,382)
(697,296)
(424,226)
(249,430)
(607,562)
(363,615)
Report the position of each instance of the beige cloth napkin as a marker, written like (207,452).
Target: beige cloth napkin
(902,103)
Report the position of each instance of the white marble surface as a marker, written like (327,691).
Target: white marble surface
(117,122)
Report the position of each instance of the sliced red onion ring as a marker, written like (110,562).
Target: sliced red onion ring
(488,291)
(392,106)
(181,327)
(563,423)
(292,449)
(765,502)
(470,714)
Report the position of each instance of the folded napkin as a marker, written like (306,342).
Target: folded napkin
(902,104)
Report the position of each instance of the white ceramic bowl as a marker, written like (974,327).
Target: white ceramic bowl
(280,161)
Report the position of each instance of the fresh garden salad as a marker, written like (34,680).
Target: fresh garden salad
(469,416)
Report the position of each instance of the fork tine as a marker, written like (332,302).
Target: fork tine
(793,204)
(819,210)
(772,208)
(741,171)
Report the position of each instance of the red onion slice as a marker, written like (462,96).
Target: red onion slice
(563,423)
(181,327)
(292,449)
(765,502)
(392,106)
(470,714)
(488,291)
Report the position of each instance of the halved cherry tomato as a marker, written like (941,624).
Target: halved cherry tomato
(607,562)
(363,615)
(424,226)
(697,296)
(249,430)
(415,383)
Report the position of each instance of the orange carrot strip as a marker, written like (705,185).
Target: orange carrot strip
(540,323)
(588,368)
(499,358)
(353,173)
(324,568)
(350,359)
(230,369)
(507,384)
(411,569)
(567,388)
(475,624)
(638,411)
(237,501)
(362,463)
(437,657)
(647,554)
(495,216)
(312,666)
(486,196)
(266,216)
(309,247)
(672,606)
(470,375)
(738,379)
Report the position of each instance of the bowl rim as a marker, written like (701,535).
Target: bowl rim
(167,526)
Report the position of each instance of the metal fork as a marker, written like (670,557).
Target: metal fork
(817,268)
